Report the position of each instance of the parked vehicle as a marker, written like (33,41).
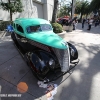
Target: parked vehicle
(47,54)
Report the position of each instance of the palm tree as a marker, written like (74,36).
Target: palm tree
(82,7)
(95,6)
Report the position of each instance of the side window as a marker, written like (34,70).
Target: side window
(19,28)
(14,25)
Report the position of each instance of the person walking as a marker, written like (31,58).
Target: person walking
(89,24)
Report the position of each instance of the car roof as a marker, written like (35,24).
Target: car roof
(30,21)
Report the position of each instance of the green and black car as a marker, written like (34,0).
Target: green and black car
(47,54)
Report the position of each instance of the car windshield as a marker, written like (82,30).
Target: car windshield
(39,28)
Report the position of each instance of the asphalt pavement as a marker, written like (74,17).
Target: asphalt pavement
(82,83)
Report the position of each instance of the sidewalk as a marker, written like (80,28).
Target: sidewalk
(3,34)
(81,84)
(85,36)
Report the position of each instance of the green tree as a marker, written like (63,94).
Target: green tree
(12,7)
(54,15)
(95,4)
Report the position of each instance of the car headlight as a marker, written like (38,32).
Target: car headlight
(52,63)
(72,52)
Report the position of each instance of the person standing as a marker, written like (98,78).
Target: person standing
(90,23)
(96,22)
(83,21)
(75,24)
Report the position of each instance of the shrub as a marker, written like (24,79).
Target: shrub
(3,24)
(57,28)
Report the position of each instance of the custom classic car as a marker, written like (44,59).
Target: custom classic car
(47,54)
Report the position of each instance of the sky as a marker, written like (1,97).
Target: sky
(71,0)
(68,1)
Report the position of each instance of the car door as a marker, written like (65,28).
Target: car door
(20,33)
(20,36)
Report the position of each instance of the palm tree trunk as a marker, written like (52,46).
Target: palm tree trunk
(73,8)
(10,16)
(10,12)
(54,15)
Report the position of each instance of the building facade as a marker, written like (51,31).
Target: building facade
(32,9)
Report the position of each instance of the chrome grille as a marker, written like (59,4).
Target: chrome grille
(63,58)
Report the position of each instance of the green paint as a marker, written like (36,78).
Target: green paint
(45,37)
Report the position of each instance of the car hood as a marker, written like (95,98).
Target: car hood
(48,38)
